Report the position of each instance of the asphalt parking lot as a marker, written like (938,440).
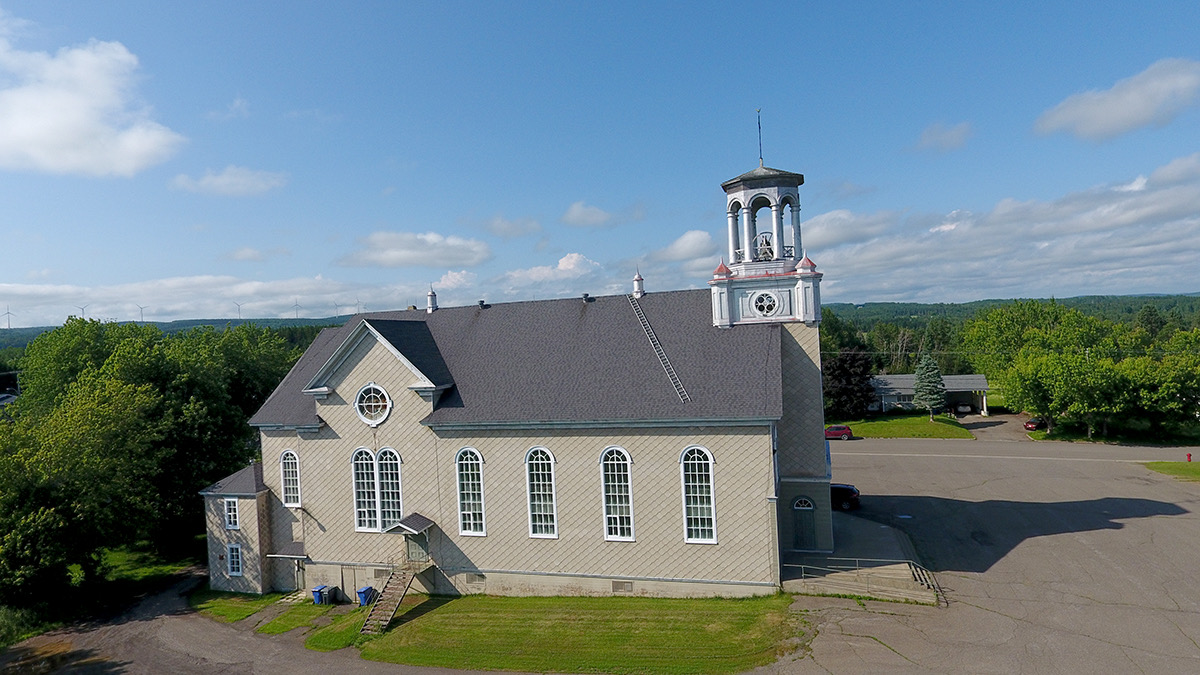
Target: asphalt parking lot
(1056,558)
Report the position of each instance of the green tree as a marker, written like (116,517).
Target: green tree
(118,428)
(847,383)
(929,391)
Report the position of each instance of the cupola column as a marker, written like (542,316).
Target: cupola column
(733,234)
(747,234)
(797,248)
(777,230)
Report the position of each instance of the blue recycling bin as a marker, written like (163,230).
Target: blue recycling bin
(321,595)
(366,594)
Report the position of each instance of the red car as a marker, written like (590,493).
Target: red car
(839,431)
(1035,423)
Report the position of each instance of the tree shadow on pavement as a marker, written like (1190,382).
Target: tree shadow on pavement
(57,657)
(962,536)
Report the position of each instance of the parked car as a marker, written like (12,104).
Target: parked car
(839,431)
(843,497)
(1035,423)
(965,408)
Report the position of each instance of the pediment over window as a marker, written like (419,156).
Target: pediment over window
(409,341)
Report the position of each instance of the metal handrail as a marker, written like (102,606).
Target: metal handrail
(931,583)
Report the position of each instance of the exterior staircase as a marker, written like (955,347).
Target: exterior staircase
(384,607)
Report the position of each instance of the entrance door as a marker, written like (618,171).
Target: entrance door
(300,575)
(804,524)
(417,547)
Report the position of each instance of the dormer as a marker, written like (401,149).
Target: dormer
(410,342)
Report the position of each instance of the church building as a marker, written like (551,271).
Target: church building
(656,443)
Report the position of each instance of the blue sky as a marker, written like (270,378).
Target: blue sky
(311,158)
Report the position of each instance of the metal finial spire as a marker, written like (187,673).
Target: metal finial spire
(760,159)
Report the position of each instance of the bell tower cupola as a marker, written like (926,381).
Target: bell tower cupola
(765,280)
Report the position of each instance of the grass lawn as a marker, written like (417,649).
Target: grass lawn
(229,607)
(342,632)
(607,635)
(908,426)
(1181,470)
(299,614)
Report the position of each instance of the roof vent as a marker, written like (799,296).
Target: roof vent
(481,304)
(585,297)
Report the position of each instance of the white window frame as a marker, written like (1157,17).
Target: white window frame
(233,552)
(396,501)
(363,487)
(612,517)
(471,455)
(358,403)
(712,494)
(368,490)
(553,493)
(232,515)
(283,478)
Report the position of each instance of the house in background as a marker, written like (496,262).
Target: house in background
(897,391)
(666,444)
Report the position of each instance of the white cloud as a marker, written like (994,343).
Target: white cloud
(1134,236)
(834,228)
(1153,97)
(240,107)
(453,280)
(233,181)
(569,267)
(690,245)
(503,227)
(405,249)
(584,215)
(75,112)
(249,254)
(942,138)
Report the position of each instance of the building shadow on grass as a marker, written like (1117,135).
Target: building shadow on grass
(962,536)
(431,603)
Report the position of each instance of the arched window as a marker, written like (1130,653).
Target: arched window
(618,498)
(539,482)
(366,516)
(699,522)
(803,504)
(470,492)
(289,469)
(377,498)
(391,508)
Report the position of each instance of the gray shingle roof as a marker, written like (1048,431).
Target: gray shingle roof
(568,362)
(903,384)
(247,481)
(764,173)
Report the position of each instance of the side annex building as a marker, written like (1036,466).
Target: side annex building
(666,444)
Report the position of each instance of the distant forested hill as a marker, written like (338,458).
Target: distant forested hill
(297,332)
(1118,308)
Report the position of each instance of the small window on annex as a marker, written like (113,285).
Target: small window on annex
(289,468)
(234,558)
(618,498)
(696,470)
(231,513)
(372,404)
(539,482)
(470,492)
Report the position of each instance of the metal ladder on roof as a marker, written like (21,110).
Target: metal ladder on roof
(662,355)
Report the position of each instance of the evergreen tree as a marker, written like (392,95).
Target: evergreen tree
(928,391)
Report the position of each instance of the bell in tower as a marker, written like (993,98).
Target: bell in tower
(765,281)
